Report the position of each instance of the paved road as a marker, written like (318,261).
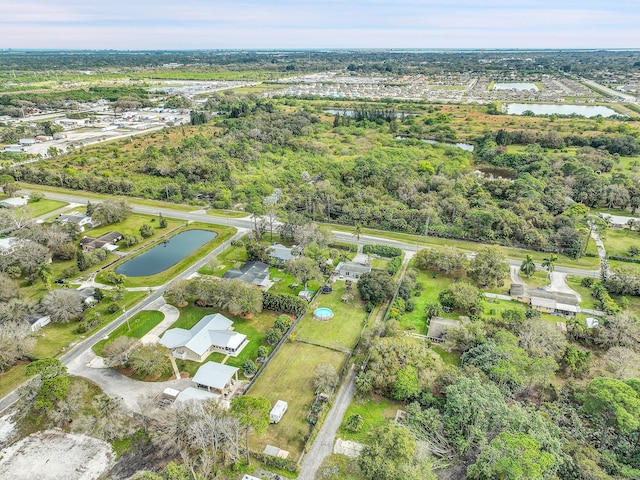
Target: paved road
(323,444)
(246,223)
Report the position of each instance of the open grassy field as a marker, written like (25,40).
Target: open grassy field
(44,206)
(617,242)
(588,301)
(254,328)
(343,330)
(137,327)
(290,377)
(433,284)
(12,379)
(375,410)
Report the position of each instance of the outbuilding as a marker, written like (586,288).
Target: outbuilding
(278,411)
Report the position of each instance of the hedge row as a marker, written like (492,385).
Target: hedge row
(382,250)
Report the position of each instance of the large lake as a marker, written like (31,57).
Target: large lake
(515,86)
(551,109)
(166,254)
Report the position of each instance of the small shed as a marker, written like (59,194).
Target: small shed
(278,411)
(38,320)
(170,393)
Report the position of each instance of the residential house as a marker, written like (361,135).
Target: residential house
(255,273)
(559,303)
(437,328)
(352,270)
(106,241)
(213,333)
(14,202)
(80,219)
(519,293)
(217,378)
(87,295)
(280,254)
(38,320)
(194,394)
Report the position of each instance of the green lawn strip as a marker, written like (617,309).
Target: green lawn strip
(375,411)
(433,284)
(468,246)
(12,379)
(216,212)
(592,248)
(634,267)
(449,358)
(343,330)
(615,211)
(254,328)
(57,337)
(224,233)
(588,301)
(99,196)
(380,263)
(290,377)
(44,206)
(137,327)
(617,242)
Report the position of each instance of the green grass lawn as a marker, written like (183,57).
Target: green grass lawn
(588,301)
(634,267)
(232,257)
(12,379)
(617,242)
(538,279)
(290,377)
(282,282)
(449,358)
(380,263)
(215,212)
(224,233)
(343,329)
(137,327)
(44,206)
(56,337)
(339,467)
(433,284)
(254,328)
(375,410)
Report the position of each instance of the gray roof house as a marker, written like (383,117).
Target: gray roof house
(80,219)
(38,320)
(256,273)
(216,377)
(438,326)
(352,269)
(280,253)
(213,333)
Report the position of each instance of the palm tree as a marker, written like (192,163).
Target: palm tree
(549,263)
(528,267)
(357,231)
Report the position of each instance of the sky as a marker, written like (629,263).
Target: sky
(298,24)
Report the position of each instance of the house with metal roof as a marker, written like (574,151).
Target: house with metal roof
(14,202)
(280,254)
(438,326)
(213,333)
(216,378)
(352,270)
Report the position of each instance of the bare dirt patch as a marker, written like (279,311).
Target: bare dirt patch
(54,454)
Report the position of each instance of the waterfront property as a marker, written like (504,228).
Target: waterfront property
(214,333)
(166,254)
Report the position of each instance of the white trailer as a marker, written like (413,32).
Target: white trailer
(278,411)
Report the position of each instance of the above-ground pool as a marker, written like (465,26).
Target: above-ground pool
(323,313)
(166,254)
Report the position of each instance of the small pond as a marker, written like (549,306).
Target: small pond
(515,86)
(551,109)
(464,146)
(166,254)
(493,173)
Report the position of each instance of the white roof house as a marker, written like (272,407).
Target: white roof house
(14,202)
(197,394)
(216,377)
(213,333)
